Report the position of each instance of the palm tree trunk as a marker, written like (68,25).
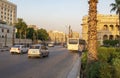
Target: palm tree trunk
(13,38)
(20,37)
(5,39)
(25,38)
(92,31)
(119,27)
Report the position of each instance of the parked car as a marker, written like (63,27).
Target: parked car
(38,51)
(51,44)
(18,49)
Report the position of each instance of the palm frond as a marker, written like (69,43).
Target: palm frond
(113,9)
(113,5)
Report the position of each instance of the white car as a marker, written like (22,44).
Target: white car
(51,44)
(38,50)
(18,49)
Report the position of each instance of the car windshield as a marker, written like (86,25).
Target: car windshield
(17,46)
(44,47)
(34,47)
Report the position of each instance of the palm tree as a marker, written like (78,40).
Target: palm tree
(92,31)
(116,7)
(21,28)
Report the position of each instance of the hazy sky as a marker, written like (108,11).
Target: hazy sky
(57,14)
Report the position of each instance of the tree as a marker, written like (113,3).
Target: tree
(42,34)
(29,33)
(92,31)
(116,7)
(21,29)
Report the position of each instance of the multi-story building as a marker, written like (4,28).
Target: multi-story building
(6,34)
(8,12)
(107,27)
(57,36)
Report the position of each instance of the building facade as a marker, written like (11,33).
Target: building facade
(8,12)
(107,27)
(6,35)
(57,37)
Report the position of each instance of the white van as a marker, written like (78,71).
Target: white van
(51,44)
(38,50)
(76,44)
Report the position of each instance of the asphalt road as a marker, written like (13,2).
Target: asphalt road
(57,65)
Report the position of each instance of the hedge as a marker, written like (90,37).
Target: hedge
(108,65)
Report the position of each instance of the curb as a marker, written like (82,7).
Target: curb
(2,50)
(75,72)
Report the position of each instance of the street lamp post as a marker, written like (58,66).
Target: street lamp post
(5,39)
(13,37)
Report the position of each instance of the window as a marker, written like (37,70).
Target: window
(5,13)
(34,47)
(2,36)
(5,9)
(111,37)
(117,37)
(105,27)
(8,31)
(111,26)
(105,37)
(73,41)
(2,30)
(5,17)
(23,46)
(43,47)
(1,16)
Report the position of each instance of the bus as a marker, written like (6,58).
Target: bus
(74,43)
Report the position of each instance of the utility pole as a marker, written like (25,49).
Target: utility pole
(5,39)
(25,37)
(20,37)
(13,38)
(69,31)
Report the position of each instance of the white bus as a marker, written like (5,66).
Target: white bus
(74,43)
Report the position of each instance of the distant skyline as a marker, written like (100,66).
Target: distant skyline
(57,14)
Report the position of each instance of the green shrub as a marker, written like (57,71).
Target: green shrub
(83,64)
(117,49)
(103,54)
(106,54)
(93,70)
(84,60)
(107,66)
(105,70)
(116,66)
(111,49)
(110,42)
